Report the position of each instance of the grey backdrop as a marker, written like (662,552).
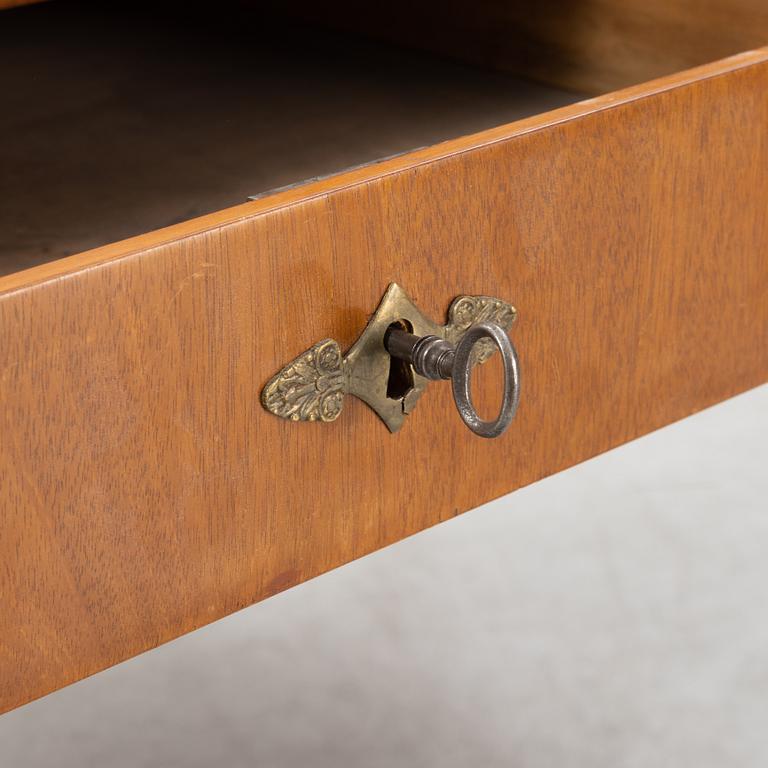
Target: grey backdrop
(614,615)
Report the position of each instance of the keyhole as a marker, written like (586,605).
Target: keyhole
(400,381)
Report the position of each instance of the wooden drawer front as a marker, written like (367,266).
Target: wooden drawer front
(146,492)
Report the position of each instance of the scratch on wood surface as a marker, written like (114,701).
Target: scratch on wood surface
(203,271)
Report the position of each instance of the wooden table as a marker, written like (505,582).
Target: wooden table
(145,491)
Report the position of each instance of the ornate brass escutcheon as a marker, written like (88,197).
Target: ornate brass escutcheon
(391,363)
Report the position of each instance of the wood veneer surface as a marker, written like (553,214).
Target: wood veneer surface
(144,490)
(118,120)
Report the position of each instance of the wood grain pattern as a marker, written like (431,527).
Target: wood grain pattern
(144,490)
(91,149)
(590,46)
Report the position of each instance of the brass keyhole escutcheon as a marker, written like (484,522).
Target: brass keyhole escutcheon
(394,359)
